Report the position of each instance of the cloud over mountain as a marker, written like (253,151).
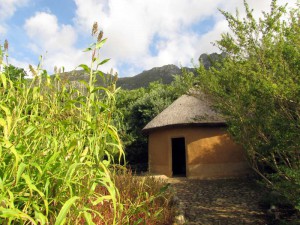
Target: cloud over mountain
(141,34)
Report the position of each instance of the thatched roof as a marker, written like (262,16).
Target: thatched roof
(187,110)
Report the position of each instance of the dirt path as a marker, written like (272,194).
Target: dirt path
(220,202)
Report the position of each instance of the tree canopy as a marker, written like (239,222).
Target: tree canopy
(14,72)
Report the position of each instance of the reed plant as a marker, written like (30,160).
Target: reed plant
(57,144)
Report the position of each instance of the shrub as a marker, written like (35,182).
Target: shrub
(257,87)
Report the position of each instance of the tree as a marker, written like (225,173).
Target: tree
(14,72)
(257,87)
(9,70)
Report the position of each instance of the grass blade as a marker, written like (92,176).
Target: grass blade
(64,210)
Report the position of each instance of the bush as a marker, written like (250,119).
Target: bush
(257,87)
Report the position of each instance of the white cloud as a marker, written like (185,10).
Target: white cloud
(44,30)
(55,41)
(2,29)
(131,26)
(8,7)
(7,10)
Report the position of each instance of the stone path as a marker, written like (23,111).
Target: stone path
(219,202)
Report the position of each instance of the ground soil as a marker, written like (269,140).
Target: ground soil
(221,202)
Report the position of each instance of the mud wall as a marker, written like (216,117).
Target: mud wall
(210,153)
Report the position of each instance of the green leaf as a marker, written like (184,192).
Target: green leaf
(88,218)
(101,43)
(103,62)
(2,122)
(20,171)
(13,149)
(6,110)
(85,68)
(15,213)
(158,213)
(4,80)
(52,159)
(89,48)
(64,210)
(140,220)
(37,166)
(71,170)
(41,218)
(164,189)
(29,130)
(31,185)
(2,184)
(101,199)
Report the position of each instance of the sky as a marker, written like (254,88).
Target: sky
(142,34)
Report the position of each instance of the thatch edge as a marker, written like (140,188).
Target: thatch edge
(185,125)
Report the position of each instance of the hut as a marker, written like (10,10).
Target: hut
(189,139)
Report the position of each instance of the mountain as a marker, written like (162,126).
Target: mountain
(208,59)
(165,74)
(81,75)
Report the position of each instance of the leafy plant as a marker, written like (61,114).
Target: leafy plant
(14,73)
(56,146)
(257,87)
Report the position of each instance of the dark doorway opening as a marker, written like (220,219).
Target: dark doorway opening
(178,157)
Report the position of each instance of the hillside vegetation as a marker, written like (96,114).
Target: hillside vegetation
(164,74)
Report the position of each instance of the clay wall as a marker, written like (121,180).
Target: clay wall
(210,153)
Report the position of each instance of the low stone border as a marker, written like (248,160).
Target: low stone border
(177,208)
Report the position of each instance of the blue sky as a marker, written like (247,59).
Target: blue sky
(142,34)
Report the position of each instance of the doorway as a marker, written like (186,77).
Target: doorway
(178,157)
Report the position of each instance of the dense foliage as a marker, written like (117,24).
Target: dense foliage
(257,86)
(140,106)
(14,73)
(53,141)
(59,147)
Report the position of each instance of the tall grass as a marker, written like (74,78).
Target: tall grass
(144,200)
(56,146)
